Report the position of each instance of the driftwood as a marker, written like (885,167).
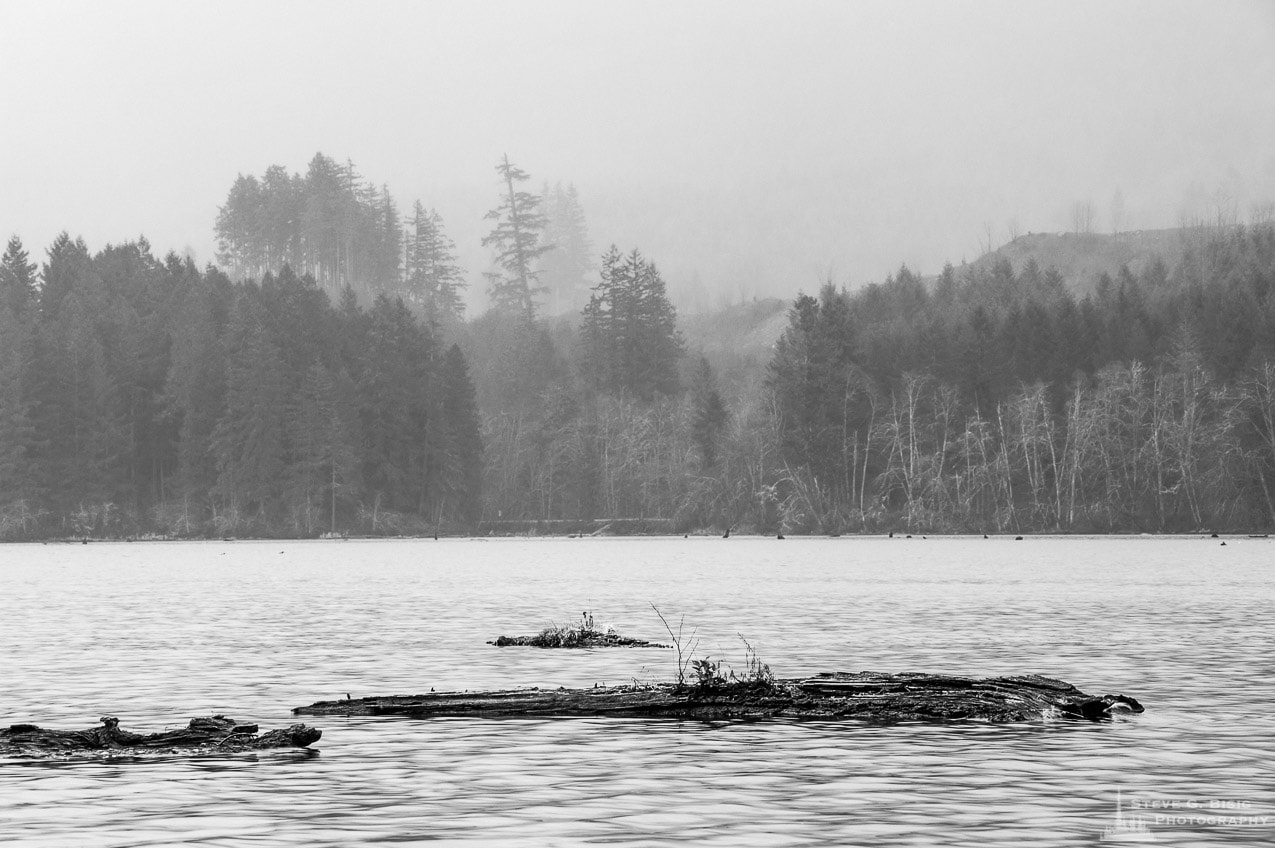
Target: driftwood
(873,696)
(586,639)
(582,635)
(207,735)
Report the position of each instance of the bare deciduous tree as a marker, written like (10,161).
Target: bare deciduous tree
(986,240)
(1082,217)
(1117,212)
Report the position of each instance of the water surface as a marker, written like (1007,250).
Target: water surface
(158,632)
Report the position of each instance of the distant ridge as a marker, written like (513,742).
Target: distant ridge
(753,327)
(1082,258)
(738,341)
(742,336)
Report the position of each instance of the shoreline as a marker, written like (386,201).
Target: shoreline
(795,537)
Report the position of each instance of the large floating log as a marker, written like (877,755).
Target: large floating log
(869,695)
(207,735)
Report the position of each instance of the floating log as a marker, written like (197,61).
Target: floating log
(582,635)
(207,735)
(576,639)
(868,695)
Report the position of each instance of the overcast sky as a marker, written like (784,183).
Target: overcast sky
(752,146)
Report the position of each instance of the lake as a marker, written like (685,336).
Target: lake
(158,632)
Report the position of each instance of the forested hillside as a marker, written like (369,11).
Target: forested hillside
(325,385)
(999,401)
(989,401)
(1081,258)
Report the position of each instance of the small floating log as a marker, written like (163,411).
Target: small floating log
(868,695)
(588,639)
(582,635)
(206,735)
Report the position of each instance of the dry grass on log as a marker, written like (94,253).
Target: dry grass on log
(582,635)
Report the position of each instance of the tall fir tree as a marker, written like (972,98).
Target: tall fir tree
(282,199)
(386,244)
(83,436)
(323,433)
(517,242)
(433,279)
(18,288)
(630,341)
(69,268)
(708,426)
(17,433)
(461,485)
(239,229)
(565,269)
(814,381)
(394,401)
(328,223)
(248,441)
(195,391)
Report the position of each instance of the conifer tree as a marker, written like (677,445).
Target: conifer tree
(386,244)
(629,336)
(239,228)
(597,329)
(69,268)
(282,199)
(83,439)
(17,435)
(323,220)
(710,415)
(328,223)
(517,241)
(813,379)
(195,388)
(394,392)
(565,268)
(462,474)
(322,431)
(17,278)
(434,280)
(248,441)
(137,289)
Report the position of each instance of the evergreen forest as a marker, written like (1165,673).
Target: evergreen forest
(324,378)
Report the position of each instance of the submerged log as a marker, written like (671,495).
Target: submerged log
(872,696)
(207,735)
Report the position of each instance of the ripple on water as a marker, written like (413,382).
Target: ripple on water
(158,633)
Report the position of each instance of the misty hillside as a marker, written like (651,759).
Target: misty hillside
(1082,258)
(739,340)
(743,335)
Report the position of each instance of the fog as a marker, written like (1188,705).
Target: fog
(749,148)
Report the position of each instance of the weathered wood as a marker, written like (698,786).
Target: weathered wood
(586,639)
(206,735)
(582,635)
(874,696)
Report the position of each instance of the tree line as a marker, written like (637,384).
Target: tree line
(142,395)
(328,223)
(984,400)
(996,401)
(346,232)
